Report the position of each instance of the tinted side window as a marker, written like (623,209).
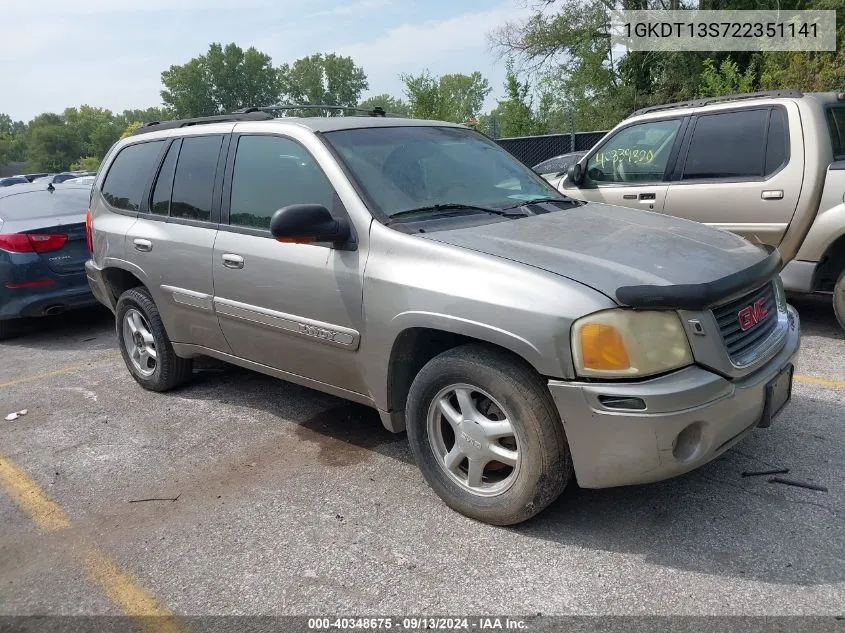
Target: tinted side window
(777,142)
(129,174)
(160,204)
(193,186)
(638,153)
(270,173)
(727,145)
(836,124)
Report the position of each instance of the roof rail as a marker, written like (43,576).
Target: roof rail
(377,111)
(697,103)
(253,114)
(154,126)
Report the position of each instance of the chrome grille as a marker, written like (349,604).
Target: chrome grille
(741,344)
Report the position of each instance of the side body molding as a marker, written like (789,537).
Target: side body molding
(327,333)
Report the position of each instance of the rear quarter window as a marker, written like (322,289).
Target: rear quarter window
(129,174)
(836,125)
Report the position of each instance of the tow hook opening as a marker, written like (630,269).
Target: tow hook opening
(623,403)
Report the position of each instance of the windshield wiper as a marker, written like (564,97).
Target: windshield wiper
(457,206)
(536,200)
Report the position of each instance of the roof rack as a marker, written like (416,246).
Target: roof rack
(377,111)
(266,113)
(697,103)
(154,126)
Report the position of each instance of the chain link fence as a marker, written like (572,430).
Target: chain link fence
(532,150)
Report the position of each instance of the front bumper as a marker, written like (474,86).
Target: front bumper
(691,417)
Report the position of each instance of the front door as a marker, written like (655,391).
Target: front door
(629,168)
(293,307)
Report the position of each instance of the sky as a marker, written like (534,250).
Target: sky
(110,53)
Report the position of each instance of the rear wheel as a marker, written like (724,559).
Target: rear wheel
(144,344)
(487,436)
(839,300)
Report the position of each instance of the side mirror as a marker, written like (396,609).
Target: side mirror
(307,224)
(575,174)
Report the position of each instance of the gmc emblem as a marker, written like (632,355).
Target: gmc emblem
(752,315)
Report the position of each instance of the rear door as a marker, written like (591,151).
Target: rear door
(631,166)
(741,169)
(173,238)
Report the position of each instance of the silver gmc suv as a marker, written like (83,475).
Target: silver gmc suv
(521,337)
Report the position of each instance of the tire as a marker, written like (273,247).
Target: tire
(839,300)
(166,370)
(482,376)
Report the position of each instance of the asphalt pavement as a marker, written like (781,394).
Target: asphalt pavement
(241,494)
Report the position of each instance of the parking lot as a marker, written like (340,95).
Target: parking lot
(275,499)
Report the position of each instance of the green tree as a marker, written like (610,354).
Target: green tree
(423,93)
(391,105)
(571,50)
(6,124)
(453,97)
(322,79)
(5,146)
(52,145)
(222,80)
(514,115)
(86,163)
(808,71)
(12,140)
(726,79)
(130,129)
(568,43)
(147,115)
(97,129)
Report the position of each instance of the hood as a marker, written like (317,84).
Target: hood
(638,258)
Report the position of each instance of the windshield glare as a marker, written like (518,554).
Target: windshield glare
(405,168)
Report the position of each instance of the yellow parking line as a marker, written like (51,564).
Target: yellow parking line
(31,498)
(133,599)
(56,372)
(823,382)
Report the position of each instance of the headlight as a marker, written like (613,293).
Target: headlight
(628,344)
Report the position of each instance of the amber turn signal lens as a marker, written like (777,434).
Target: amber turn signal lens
(603,348)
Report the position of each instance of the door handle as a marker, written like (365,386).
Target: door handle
(231,260)
(773,194)
(648,197)
(145,246)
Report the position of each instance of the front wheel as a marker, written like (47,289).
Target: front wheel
(144,344)
(487,436)
(839,300)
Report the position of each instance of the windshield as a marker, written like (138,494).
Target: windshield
(405,168)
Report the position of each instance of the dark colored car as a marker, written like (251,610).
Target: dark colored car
(43,248)
(558,164)
(55,178)
(13,180)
